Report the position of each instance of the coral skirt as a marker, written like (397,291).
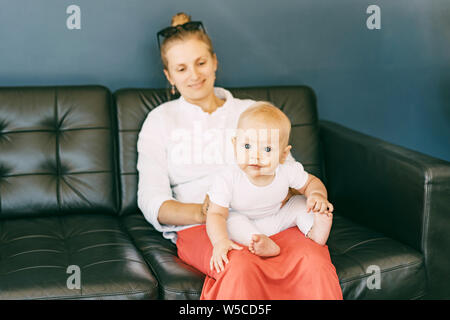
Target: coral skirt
(302,270)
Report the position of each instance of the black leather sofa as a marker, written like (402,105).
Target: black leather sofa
(68,184)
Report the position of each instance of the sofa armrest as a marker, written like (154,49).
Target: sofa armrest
(399,192)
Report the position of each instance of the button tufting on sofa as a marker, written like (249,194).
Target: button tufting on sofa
(58,199)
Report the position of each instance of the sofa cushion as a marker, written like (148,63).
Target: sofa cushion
(359,254)
(56,151)
(35,255)
(132,107)
(176,279)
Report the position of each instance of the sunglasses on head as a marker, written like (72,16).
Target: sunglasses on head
(170,31)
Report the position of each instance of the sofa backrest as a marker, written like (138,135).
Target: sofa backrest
(133,105)
(56,151)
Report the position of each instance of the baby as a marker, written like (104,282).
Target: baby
(255,187)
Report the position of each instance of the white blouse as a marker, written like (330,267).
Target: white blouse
(180,147)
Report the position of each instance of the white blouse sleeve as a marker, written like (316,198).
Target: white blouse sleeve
(154,185)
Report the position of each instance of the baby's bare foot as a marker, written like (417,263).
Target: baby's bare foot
(263,246)
(321,228)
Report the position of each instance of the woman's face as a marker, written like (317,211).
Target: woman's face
(192,69)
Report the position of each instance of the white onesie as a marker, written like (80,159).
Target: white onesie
(255,209)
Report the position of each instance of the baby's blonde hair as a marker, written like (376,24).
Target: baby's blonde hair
(267,112)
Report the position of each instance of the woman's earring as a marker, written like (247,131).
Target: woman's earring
(173,90)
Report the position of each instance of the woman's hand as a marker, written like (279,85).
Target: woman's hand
(220,252)
(201,215)
(317,202)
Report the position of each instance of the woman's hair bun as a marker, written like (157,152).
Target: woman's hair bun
(180,18)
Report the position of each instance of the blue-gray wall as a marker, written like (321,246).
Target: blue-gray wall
(392,83)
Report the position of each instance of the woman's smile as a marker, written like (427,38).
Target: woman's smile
(197,85)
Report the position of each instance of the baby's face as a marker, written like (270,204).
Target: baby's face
(257,148)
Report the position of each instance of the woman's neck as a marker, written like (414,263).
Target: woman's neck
(209,104)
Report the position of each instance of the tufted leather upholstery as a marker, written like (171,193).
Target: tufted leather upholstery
(68,185)
(36,253)
(400,193)
(355,250)
(57,153)
(59,198)
(176,279)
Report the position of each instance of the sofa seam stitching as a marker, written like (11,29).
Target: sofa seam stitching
(58,169)
(385,271)
(94,295)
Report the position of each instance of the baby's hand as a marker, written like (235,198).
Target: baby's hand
(220,253)
(318,203)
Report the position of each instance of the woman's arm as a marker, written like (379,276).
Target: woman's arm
(178,213)
(154,191)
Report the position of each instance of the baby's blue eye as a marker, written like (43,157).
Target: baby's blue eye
(247,146)
(267,149)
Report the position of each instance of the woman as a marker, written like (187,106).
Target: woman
(181,144)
